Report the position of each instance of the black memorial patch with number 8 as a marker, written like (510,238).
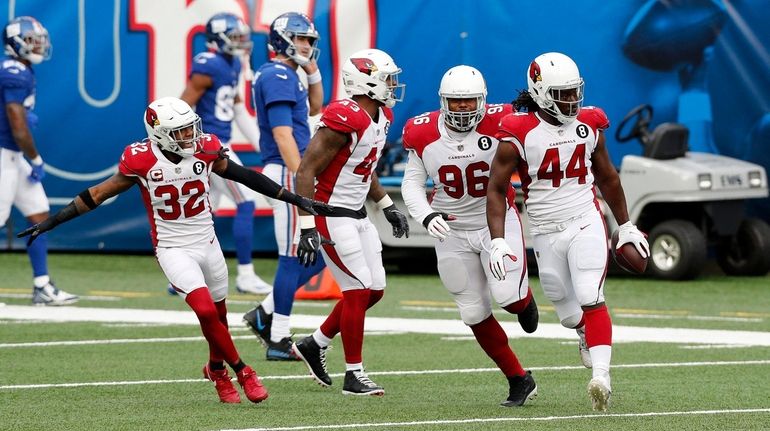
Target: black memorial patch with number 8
(582,130)
(485,143)
(198,167)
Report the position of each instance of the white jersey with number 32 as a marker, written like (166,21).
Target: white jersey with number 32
(555,165)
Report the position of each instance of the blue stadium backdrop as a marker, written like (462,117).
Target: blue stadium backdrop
(701,62)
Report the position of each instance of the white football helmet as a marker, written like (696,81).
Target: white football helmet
(166,121)
(463,82)
(374,74)
(553,77)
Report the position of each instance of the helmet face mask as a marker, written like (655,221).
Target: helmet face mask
(374,74)
(25,38)
(463,82)
(228,33)
(555,84)
(174,126)
(284,32)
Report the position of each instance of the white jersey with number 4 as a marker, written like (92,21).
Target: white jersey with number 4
(345,181)
(459,166)
(176,195)
(555,165)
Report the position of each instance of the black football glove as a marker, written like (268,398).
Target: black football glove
(397,219)
(310,242)
(38,229)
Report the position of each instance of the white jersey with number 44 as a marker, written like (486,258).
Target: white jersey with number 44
(555,165)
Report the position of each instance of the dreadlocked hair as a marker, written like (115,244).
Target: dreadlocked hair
(525,102)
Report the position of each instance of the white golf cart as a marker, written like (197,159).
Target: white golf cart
(690,203)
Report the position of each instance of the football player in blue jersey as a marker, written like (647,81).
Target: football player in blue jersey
(212,89)
(26,43)
(283,104)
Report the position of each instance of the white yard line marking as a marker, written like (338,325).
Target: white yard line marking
(394,373)
(509,419)
(88,297)
(689,317)
(620,333)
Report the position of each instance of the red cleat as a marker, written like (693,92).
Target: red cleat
(225,389)
(251,385)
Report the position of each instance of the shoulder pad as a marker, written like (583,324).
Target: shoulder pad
(420,131)
(345,116)
(210,148)
(137,159)
(516,125)
(492,116)
(594,117)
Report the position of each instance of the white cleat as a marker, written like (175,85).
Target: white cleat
(251,283)
(585,355)
(51,295)
(599,391)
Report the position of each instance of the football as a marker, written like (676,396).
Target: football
(627,257)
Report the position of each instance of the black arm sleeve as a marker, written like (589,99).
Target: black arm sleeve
(251,179)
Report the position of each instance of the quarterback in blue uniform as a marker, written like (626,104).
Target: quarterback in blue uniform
(26,43)
(283,104)
(213,89)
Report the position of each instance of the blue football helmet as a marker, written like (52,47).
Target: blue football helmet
(25,38)
(283,31)
(227,33)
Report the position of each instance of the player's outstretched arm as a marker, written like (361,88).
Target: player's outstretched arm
(608,181)
(505,161)
(262,184)
(87,200)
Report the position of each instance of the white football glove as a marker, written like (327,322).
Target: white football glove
(437,226)
(497,255)
(627,232)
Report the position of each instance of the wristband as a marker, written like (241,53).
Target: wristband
(384,202)
(314,78)
(37,161)
(306,222)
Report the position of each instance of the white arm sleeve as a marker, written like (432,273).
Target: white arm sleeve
(247,125)
(413,188)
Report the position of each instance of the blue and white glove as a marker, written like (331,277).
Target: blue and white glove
(628,233)
(38,173)
(497,255)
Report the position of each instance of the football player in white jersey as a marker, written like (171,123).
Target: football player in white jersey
(559,149)
(172,168)
(338,168)
(454,147)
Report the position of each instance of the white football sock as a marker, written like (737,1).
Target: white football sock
(245,269)
(268,305)
(600,357)
(41,280)
(321,339)
(354,367)
(280,327)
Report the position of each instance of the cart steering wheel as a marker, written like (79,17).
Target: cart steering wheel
(642,115)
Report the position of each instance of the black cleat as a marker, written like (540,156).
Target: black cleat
(314,357)
(521,389)
(529,317)
(358,383)
(259,322)
(281,351)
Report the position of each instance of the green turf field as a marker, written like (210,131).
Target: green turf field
(146,376)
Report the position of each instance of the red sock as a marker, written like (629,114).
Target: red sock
(217,335)
(492,339)
(352,318)
(222,312)
(598,326)
(519,306)
(331,326)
